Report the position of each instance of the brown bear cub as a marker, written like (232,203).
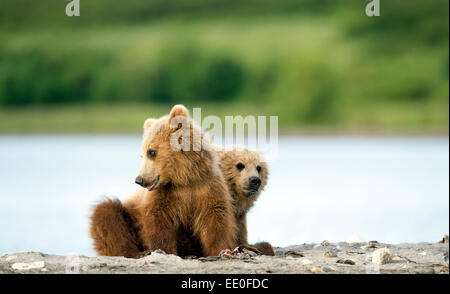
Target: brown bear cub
(246,174)
(183,193)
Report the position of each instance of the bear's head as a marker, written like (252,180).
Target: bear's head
(246,173)
(174,151)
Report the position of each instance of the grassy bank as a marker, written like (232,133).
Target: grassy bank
(417,119)
(317,65)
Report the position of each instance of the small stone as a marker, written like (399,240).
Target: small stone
(306,261)
(330,254)
(44,270)
(422,271)
(248,252)
(354,252)
(292,253)
(444,240)
(28,266)
(382,256)
(325,243)
(346,261)
(316,270)
(372,244)
(424,253)
(144,262)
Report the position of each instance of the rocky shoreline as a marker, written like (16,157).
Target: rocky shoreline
(324,258)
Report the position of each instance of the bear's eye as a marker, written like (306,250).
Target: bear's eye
(258,168)
(240,166)
(151,154)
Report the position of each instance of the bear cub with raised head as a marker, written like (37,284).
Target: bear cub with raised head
(183,193)
(246,173)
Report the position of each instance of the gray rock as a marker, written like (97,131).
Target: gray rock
(325,243)
(382,256)
(292,253)
(346,261)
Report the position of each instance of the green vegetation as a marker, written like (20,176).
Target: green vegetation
(315,64)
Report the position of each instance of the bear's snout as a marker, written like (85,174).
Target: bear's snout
(254,183)
(140,181)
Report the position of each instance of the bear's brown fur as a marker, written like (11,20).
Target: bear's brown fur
(183,194)
(239,167)
(114,231)
(242,194)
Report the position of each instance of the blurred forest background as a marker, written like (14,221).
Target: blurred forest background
(320,65)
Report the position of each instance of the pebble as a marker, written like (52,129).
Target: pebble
(330,254)
(346,261)
(306,261)
(249,253)
(354,252)
(316,270)
(373,244)
(422,271)
(382,256)
(28,266)
(424,253)
(325,243)
(292,253)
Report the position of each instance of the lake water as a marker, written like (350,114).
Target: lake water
(387,189)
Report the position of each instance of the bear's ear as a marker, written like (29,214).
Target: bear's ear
(179,110)
(148,122)
(180,113)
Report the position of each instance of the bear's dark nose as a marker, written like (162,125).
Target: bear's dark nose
(255,182)
(140,181)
